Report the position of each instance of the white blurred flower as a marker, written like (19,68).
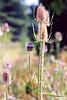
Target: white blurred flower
(58,36)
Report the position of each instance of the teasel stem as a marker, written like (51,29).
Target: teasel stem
(5,91)
(39,90)
(41,69)
(5,37)
(57,49)
(41,64)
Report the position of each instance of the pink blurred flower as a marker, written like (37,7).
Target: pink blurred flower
(6,27)
(62,64)
(6,77)
(58,36)
(8,65)
(56,85)
(45,48)
(19,64)
(1,33)
(2,94)
(44,32)
(56,70)
(66,75)
(47,74)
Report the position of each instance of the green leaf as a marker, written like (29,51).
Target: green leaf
(53,95)
(49,94)
(35,90)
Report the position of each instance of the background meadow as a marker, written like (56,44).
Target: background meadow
(19,15)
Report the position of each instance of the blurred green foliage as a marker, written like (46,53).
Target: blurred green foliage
(9,37)
(58,6)
(24,40)
(13,12)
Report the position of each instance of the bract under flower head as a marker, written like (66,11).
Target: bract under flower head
(44,32)
(6,76)
(58,36)
(6,27)
(30,46)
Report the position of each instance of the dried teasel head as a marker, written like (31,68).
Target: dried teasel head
(58,36)
(6,27)
(43,15)
(6,77)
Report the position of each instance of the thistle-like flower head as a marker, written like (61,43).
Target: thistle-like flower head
(30,46)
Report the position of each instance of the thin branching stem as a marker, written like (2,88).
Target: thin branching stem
(30,72)
(29,66)
(57,49)
(5,37)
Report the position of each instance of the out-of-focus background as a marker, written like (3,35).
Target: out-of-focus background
(19,14)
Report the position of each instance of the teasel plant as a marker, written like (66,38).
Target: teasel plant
(30,47)
(58,39)
(43,20)
(6,29)
(6,80)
